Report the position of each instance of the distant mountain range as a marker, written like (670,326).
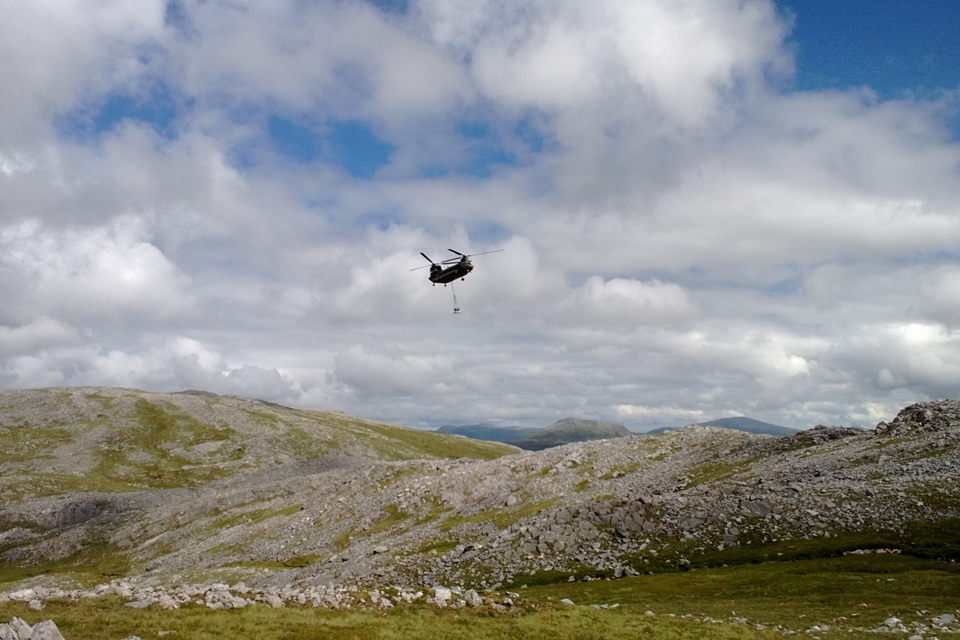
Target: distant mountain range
(580,430)
(536,439)
(740,424)
(489,432)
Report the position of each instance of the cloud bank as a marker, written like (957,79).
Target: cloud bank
(231,196)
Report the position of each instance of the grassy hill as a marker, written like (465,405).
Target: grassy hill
(60,441)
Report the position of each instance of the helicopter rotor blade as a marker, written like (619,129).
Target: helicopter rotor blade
(470,255)
(426,265)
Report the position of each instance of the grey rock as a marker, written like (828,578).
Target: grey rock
(46,630)
(21,629)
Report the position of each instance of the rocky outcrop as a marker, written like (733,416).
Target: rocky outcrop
(923,417)
(18,629)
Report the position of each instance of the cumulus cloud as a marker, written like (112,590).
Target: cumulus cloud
(628,302)
(92,275)
(685,236)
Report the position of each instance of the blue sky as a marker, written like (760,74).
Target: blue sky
(895,48)
(707,209)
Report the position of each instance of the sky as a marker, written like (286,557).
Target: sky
(707,208)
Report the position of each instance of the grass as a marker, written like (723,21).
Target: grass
(849,594)
(107,618)
(501,518)
(845,593)
(776,587)
(415,443)
(716,471)
(296,562)
(29,443)
(96,563)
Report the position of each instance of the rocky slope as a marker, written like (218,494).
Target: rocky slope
(284,513)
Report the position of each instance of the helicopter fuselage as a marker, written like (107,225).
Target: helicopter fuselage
(439,275)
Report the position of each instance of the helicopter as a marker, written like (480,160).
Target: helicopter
(458,270)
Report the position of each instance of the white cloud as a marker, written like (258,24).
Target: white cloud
(683,238)
(623,301)
(92,274)
(373,374)
(658,414)
(42,333)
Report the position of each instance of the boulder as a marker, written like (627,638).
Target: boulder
(46,630)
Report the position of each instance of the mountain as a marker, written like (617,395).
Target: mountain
(489,432)
(571,430)
(748,425)
(142,492)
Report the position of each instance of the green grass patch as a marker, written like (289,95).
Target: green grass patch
(25,443)
(263,417)
(96,563)
(720,470)
(844,593)
(254,517)
(94,619)
(393,518)
(416,444)
(439,546)
(151,454)
(297,562)
(500,518)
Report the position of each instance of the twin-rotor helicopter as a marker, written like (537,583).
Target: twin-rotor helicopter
(458,270)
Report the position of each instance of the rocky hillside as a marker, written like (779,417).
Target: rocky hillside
(218,491)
